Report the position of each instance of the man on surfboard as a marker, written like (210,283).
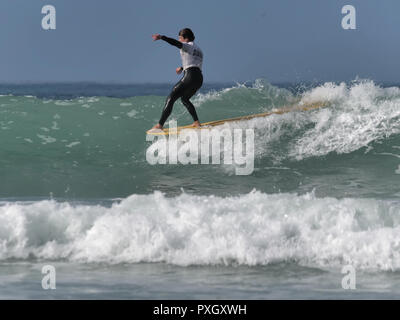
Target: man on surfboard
(192,80)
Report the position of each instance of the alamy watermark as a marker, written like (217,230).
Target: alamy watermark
(349,280)
(198,146)
(49,280)
(349,20)
(49,20)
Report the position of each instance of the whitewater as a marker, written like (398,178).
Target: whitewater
(77,192)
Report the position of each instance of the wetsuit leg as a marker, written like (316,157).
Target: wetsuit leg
(195,78)
(190,107)
(185,89)
(186,101)
(175,94)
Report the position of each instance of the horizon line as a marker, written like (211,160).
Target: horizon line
(91,82)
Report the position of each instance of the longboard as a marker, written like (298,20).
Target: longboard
(211,124)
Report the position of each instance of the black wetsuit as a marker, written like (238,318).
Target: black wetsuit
(191,82)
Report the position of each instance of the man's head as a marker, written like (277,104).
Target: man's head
(186,35)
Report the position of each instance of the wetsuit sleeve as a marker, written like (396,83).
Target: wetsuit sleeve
(172,42)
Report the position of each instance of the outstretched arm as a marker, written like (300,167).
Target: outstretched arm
(171,41)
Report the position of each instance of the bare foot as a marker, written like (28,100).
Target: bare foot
(157,126)
(196,124)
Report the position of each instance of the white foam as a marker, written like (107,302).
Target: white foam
(64,103)
(72,144)
(132,113)
(359,115)
(55,126)
(46,139)
(355,116)
(252,229)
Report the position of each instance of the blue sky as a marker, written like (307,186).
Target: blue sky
(242,40)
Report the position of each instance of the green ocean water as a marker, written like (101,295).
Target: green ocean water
(77,192)
(95,147)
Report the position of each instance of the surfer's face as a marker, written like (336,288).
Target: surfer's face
(182,39)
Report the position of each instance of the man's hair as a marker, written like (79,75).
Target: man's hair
(187,34)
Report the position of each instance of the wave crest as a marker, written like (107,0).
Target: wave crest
(252,229)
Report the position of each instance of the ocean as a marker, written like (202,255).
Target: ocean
(78,194)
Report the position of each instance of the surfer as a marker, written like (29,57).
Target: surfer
(192,80)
